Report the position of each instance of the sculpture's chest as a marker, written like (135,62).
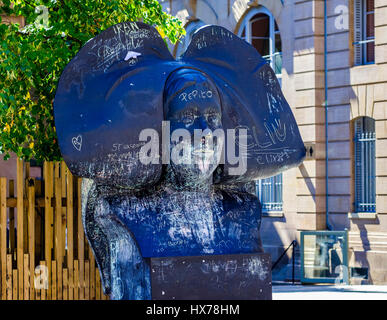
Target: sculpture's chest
(190,224)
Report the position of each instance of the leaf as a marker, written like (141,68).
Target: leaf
(161,31)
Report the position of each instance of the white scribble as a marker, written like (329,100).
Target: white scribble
(132,55)
(77,142)
(279,130)
(195,94)
(257,268)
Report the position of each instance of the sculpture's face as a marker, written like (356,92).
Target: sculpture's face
(195,115)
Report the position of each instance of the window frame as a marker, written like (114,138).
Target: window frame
(360,33)
(364,152)
(271,205)
(246,25)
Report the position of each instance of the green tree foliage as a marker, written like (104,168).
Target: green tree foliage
(32,59)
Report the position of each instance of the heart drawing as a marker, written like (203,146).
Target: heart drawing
(77,142)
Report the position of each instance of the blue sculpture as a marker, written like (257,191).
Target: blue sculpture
(139,202)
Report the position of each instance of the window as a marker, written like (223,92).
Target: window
(270,193)
(189,32)
(364,147)
(364,32)
(260,29)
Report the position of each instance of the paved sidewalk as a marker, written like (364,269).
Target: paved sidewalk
(329,292)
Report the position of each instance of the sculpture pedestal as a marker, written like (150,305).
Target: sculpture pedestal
(212,277)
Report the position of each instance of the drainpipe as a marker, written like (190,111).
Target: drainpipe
(328,225)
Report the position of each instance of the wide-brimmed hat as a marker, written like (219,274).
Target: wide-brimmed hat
(113,89)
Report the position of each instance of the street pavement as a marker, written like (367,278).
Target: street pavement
(329,292)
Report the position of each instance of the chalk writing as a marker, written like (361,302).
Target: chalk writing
(128,37)
(77,142)
(120,146)
(273,131)
(195,94)
(222,33)
(279,130)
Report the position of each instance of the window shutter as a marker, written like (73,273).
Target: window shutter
(357,31)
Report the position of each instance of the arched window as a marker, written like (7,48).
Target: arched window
(185,41)
(364,156)
(260,29)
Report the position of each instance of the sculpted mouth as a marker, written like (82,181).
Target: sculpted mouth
(201,151)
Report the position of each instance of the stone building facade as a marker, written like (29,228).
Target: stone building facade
(334,73)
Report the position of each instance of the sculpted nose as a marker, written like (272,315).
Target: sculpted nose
(203,124)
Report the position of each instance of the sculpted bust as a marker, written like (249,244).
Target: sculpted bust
(170,149)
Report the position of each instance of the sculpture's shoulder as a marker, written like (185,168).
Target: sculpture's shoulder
(233,194)
(234,198)
(135,203)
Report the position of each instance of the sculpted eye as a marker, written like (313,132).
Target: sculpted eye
(188,119)
(213,118)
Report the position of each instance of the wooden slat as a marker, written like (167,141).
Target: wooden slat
(65,285)
(92,275)
(40,202)
(26,277)
(59,281)
(39,222)
(25,219)
(48,223)
(81,245)
(38,189)
(87,258)
(70,233)
(20,225)
(76,280)
(31,232)
(80,279)
(63,170)
(15,284)
(87,280)
(97,285)
(38,292)
(3,237)
(25,209)
(11,223)
(63,195)
(56,169)
(27,167)
(43,291)
(59,247)
(53,283)
(9,277)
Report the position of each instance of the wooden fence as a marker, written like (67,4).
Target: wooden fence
(43,251)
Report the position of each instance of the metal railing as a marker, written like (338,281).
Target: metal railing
(293,245)
(275,61)
(270,193)
(365,194)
